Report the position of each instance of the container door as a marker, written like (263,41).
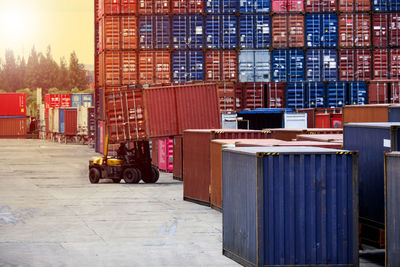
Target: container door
(322,120)
(295,121)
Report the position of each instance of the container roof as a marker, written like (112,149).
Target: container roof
(266,111)
(372,124)
(284,150)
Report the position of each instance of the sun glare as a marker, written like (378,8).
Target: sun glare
(16,23)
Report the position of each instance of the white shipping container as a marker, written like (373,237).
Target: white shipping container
(295,120)
(50,119)
(56,118)
(42,118)
(82,120)
(229,121)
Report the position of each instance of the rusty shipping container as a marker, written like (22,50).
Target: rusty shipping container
(355,65)
(378,92)
(13,127)
(291,134)
(12,104)
(355,30)
(221,65)
(371,113)
(196,159)
(287,31)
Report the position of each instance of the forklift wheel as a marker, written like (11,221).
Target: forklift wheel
(116,181)
(155,174)
(94,175)
(131,176)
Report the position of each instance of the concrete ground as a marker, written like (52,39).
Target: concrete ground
(51,215)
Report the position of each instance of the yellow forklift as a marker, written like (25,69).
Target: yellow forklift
(137,168)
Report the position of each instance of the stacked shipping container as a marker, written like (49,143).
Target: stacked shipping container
(13,115)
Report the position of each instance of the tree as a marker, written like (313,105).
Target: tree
(21,70)
(77,74)
(10,74)
(62,82)
(32,77)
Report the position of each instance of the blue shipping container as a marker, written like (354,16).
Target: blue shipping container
(254,31)
(251,6)
(61,120)
(336,94)
(296,95)
(380,5)
(392,208)
(187,31)
(321,30)
(220,6)
(315,95)
(221,31)
(321,65)
(297,206)
(288,65)
(85,100)
(371,140)
(394,5)
(357,93)
(154,32)
(187,65)
(254,66)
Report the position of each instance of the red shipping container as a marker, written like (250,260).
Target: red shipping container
(165,154)
(381,64)
(12,104)
(239,98)
(226,96)
(354,5)
(153,7)
(380,29)
(295,5)
(320,5)
(279,5)
(13,128)
(337,120)
(110,66)
(109,33)
(378,92)
(394,64)
(154,67)
(354,30)
(108,7)
(275,95)
(394,29)
(287,31)
(129,68)
(177,166)
(323,120)
(129,35)
(70,121)
(355,65)
(128,6)
(187,6)
(395,93)
(221,65)
(252,95)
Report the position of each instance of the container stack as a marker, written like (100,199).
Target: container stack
(13,121)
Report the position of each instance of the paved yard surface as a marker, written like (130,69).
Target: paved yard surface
(51,215)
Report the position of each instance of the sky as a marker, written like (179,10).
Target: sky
(65,25)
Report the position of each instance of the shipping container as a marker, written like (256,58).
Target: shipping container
(371,140)
(330,138)
(61,120)
(85,100)
(253,6)
(110,33)
(354,5)
(381,64)
(178,157)
(229,121)
(254,66)
(392,211)
(220,6)
(254,31)
(153,7)
(292,206)
(70,119)
(288,65)
(110,68)
(91,123)
(187,6)
(154,151)
(221,65)
(286,134)
(13,104)
(226,96)
(323,120)
(197,163)
(371,113)
(276,142)
(100,137)
(264,118)
(295,120)
(221,31)
(311,115)
(355,65)
(320,5)
(165,154)
(253,95)
(287,31)
(154,67)
(378,92)
(357,93)
(154,32)
(296,95)
(82,120)
(107,7)
(315,92)
(321,29)
(321,65)
(394,70)
(380,30)
(129,68)
(187,65)
(128,6)
(355,30)
(187,31)
(287,5)
(337,94)
(275,95)
(394,27)
(13,127)
(395,93)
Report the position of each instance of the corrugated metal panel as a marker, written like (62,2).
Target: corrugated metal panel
(178,157)
(392,211)
(395,93)
(320,5)
(355,65)
(394,27)
(371,113)
(85,100)
(220,6)
(315,95)
(357,93)
(355,30)
(254,31)
(187,65)
(70,118)
(187,31)
(253,95)
(378,92)
(380,30)
(91,122)
(321,30)
(61,120)
(13,127)
(296,95)
(287,31)
(293,204)
(354,5)
(275,95)
(381,64)
(13,104)
(165,154)
(254,66)
(394,64)
(321,65)
(56,117)
(109,33)
(333,138)
(287,5)
(291,134)
(288,65)
(221,31)
(371,140)
(129,34)
(337,93)
(221,65)
(154,67)
(154,32)
(82,121)
(187,6)
(226,96)
(153,6)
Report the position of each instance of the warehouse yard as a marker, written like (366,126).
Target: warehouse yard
(51,215)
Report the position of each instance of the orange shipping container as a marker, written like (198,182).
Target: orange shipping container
(109,33)
(154,67)
(109,71)
(221,65)
(355,30)
(13,128)
(354,5)
(287,31)
(226,96)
